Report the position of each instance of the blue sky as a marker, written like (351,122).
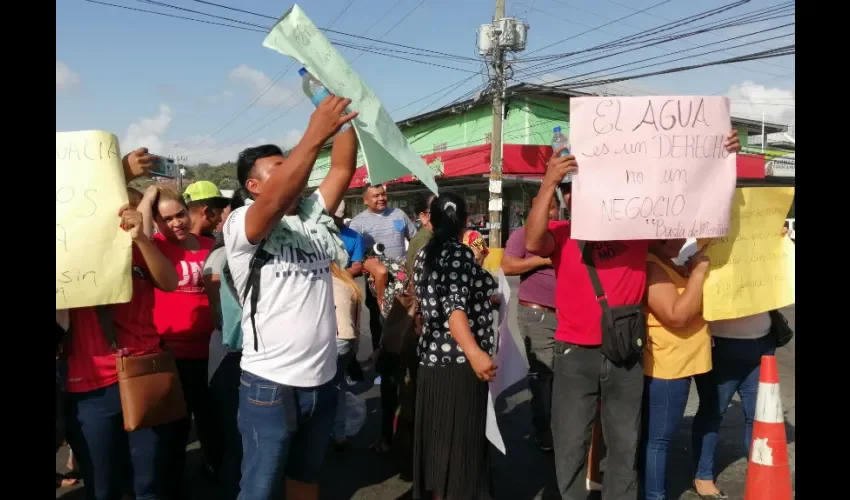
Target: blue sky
(169,83)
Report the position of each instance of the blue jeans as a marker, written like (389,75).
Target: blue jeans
(736,369)
(346,349)
(112,460)
(224,394)
(665,402)
(285,433)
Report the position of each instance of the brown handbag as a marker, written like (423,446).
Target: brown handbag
(151,393)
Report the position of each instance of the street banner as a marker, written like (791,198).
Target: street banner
(651,167)
(509,358)
(386,152)
(92,252)
(752,269)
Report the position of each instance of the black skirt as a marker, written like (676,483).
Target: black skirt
(450,455)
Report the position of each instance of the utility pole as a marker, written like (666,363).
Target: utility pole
(498,89)
(181,160)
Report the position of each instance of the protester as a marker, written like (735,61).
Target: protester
(184,321)
(279,247)
(537,321)
(113,461)
(678,348)
(387,226)
(348,299)
(737,347)
(450,447)
(582,374)
(353,243)
(224,378)
(386,279)
(206,207)
(422,208)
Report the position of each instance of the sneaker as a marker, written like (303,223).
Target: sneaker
(544,442)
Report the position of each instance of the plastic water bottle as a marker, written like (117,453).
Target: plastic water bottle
(315,90)
(559,140)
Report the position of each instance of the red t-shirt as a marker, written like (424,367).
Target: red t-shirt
(91,361)
(183,317)
(621,266)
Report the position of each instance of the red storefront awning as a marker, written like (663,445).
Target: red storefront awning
(518,159)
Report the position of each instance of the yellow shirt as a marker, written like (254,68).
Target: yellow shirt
(672,354)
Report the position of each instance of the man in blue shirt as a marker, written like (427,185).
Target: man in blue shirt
(353,243)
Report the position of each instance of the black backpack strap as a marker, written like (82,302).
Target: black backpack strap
(601,298)
(104,316)
(260,259)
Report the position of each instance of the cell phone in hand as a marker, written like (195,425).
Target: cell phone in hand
(164,167)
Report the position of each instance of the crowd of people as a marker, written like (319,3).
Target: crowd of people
(256,300)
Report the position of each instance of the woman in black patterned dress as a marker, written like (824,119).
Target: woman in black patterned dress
(455,350)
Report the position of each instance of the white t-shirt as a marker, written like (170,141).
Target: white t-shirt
(748,327)
(296,323)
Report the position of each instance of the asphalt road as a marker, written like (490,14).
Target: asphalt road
(525,473)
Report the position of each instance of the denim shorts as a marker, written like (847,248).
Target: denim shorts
(285,433)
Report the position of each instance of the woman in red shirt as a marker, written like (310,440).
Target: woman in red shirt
(95,425)
(184,321)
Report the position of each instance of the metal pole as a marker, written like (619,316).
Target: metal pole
(498,87)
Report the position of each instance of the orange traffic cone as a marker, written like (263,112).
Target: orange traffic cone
(768,474)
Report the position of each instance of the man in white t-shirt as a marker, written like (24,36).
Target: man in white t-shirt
(288,390)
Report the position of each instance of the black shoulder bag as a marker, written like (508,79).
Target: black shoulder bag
(623,327)
(252,284)
(780,329)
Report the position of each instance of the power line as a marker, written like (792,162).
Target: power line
(174,16)
(340,32)
(666,19)
(642,37)
(778,52)
(667,54)
(263,92)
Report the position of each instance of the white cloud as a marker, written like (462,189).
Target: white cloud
(221,96)
(203,149)
(65,78)
(291,139)
(750,100)
(273,94)
(148,132)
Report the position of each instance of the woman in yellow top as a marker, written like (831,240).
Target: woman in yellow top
(678,348)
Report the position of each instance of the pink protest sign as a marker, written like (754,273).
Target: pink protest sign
(651,167)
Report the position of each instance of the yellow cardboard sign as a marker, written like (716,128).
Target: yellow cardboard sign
(752,268)
(92,252)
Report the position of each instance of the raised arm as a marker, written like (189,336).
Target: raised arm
(671,309)
(343,165)
(146,209)
(286,182)
(162,272)
(538,239)
(137,163)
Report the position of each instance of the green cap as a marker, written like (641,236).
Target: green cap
(204,191)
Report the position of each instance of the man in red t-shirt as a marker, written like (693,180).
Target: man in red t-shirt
(583,375)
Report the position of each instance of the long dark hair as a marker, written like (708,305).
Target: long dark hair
(448,217)
(236,201)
